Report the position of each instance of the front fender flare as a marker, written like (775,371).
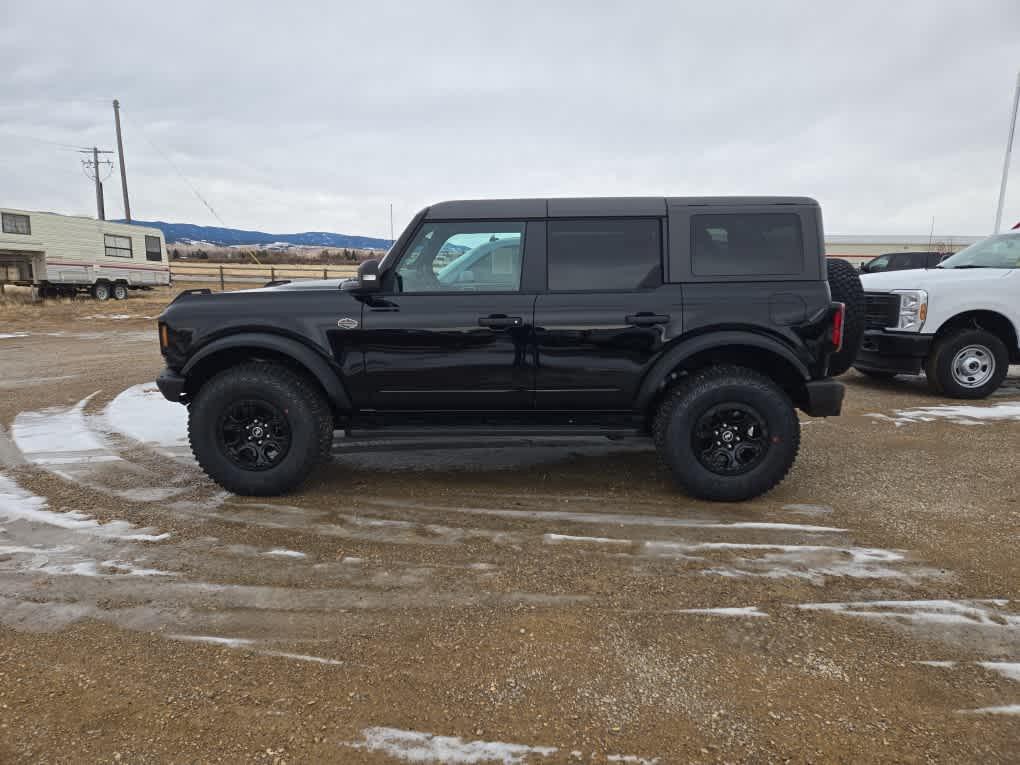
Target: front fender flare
(675,356)
(314,362)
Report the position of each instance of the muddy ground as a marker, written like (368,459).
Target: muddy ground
(516,601)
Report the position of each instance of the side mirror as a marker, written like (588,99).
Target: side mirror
(367,279)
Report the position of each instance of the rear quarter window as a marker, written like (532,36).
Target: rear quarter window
(747,244)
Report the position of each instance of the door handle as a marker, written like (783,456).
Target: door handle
(500,321)
(645,319)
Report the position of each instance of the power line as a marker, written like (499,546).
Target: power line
(66,146)
(180,173)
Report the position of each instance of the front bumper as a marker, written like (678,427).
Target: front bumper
(171,385)
(824,398)
(896,352)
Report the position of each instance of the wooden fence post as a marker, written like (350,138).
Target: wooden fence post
(325,273)
(272,273)
(222,285)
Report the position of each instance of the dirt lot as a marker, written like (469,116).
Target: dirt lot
(502,602)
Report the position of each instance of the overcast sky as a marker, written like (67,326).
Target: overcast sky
(298,116)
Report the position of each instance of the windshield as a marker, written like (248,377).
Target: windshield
(1000,251)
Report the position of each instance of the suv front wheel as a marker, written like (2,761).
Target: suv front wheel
(727,433)
(259,428)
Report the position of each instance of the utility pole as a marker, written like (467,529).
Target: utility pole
(1009,150)
(93,171)
(391,222)
(120,152)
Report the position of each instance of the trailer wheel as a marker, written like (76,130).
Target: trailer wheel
(101,291)
(120,291)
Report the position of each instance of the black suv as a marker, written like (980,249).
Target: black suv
(700,322)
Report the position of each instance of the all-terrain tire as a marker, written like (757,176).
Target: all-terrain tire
(845,286)
(939,366)
(673,430)
(299,399)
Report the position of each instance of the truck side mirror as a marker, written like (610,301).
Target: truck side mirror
(367,279)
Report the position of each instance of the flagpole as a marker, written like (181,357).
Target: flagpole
(1009,150)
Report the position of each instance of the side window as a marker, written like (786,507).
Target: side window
(118,246)
(605,254)
(153,248)
(902,261)
(746,244)
(12,223)
(879,264)
(469,256)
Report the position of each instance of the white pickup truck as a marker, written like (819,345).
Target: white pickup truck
(958,321)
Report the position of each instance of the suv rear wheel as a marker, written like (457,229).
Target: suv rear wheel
(259,428)
(970,363)
(727,433)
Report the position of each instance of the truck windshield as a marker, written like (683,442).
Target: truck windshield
(1000,251)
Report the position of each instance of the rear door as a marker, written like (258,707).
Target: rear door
(606,313)
(452,329)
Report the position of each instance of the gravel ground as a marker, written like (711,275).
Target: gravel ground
(517,601)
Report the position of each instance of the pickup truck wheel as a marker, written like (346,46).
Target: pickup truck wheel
(845,286)
(727,433)
(970,363)
(259,429)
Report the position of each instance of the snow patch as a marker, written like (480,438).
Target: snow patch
(279,552)
(558,538)
(1008,669)
(12,335)
(752,611)
(415,746)
(1008,709)
(979,613)
(960,414)
(16,504)
(141,413)
(939,664)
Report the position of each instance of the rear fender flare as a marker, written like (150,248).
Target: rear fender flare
(678,354)
(301,354)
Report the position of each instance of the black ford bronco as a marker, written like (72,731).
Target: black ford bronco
(703,323)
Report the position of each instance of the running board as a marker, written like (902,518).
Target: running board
(389,433)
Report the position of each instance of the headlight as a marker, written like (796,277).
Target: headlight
(913,310)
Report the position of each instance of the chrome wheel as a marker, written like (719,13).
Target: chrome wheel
(973,366)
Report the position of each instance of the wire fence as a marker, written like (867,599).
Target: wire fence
(226,273)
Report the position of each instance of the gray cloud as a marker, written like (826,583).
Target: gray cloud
(317,115)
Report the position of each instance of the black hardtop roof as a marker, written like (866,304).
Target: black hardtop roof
(571,207)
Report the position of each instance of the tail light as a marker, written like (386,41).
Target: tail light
(838,320)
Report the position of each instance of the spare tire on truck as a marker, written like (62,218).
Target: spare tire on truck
(845,286)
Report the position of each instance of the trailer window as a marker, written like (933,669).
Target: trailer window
(153,249)
(118,246)
(16,224)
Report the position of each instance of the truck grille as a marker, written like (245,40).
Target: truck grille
(881,310)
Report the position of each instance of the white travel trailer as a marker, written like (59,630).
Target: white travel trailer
(62,255)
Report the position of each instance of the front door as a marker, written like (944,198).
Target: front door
(451,329)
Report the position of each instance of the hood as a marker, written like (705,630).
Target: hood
(929,278)
(300,284)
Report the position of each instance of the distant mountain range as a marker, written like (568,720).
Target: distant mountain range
(233,237)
